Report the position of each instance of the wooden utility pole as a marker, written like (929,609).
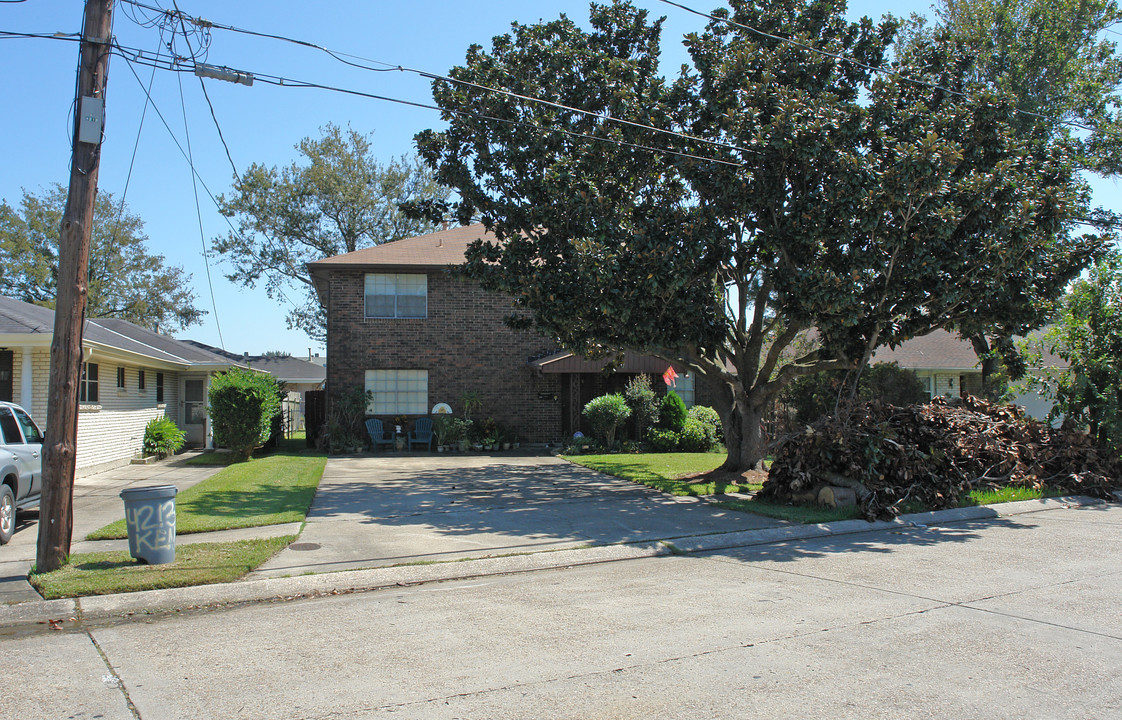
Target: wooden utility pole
(56,506)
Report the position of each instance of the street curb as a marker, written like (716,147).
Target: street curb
(107,608)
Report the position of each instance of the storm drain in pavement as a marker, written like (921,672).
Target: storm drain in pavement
(304,546)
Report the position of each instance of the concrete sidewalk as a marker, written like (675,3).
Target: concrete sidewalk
(114,608)
(97,502)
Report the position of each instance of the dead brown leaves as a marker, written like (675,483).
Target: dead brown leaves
(931,455)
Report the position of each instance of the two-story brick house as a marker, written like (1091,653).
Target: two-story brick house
(402,326)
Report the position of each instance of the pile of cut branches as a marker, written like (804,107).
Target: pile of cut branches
(931,455)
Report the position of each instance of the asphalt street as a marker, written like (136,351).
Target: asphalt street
(1011,617)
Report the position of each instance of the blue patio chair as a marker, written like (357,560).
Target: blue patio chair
(422,433)
(377,433)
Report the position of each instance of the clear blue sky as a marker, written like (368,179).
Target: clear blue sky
(261,123)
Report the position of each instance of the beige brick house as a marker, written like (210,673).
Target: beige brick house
(130,375)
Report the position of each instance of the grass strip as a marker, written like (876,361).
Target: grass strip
(104,573)
(262,491)
(668,472)
(1009,493)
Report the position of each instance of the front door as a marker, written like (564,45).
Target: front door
(194,411)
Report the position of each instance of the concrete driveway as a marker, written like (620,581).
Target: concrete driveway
(399,509)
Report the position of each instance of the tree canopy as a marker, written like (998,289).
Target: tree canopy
(125,279)
(768,190)
(1053,57)
(338,199)
(1088,336)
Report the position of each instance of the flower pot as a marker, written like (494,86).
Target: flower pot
(506,446)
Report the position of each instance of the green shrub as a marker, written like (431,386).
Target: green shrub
(696,436)
(643,401)
(662,440)
(672,412)
(710,418)
(606,413)
(162,437)
(814,396)
(343,428)
(242,404)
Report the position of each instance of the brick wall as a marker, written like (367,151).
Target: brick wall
(463,344)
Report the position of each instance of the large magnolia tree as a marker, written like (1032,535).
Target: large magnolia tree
(784,190)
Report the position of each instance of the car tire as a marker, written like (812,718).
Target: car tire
(7,513)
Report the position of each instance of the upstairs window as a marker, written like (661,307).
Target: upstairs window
(391,295)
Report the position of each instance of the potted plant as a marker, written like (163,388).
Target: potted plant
(442,428)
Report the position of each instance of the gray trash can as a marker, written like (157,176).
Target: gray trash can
(150,517)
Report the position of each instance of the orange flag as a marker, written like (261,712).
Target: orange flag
(669,376)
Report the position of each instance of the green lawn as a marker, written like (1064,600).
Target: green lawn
(664,471)
(105,573)
(268,490)
(1006,494)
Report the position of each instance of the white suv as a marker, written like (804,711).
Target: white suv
(21,465)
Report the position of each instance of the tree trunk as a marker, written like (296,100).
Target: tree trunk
(744,433)
(991,363)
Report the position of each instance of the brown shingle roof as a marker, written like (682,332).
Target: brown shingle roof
(938,350)
(435,250)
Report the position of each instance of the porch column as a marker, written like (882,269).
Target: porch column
(25,384)
(574,401)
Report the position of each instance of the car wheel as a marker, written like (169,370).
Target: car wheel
(7,513)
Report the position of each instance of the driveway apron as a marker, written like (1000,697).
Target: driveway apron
(389,509)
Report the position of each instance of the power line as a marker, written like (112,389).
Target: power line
(390,67)
(199,213)
(129,61)
(202,86)
(292,83)
(135,147)
(872,68)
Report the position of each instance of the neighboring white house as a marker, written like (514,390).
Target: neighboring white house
(298,375)
(948,365)
(129,376)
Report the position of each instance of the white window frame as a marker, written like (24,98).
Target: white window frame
(686,388)
(397,392)
(397,286)
(88,386)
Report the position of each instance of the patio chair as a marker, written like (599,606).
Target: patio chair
(422,433)
(377,433)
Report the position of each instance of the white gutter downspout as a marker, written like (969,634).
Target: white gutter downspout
(25,384)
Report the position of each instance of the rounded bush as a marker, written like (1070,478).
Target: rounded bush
(606,413)
(662,440)
(672,412)
(696,436)
(710,418)
(242,404)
